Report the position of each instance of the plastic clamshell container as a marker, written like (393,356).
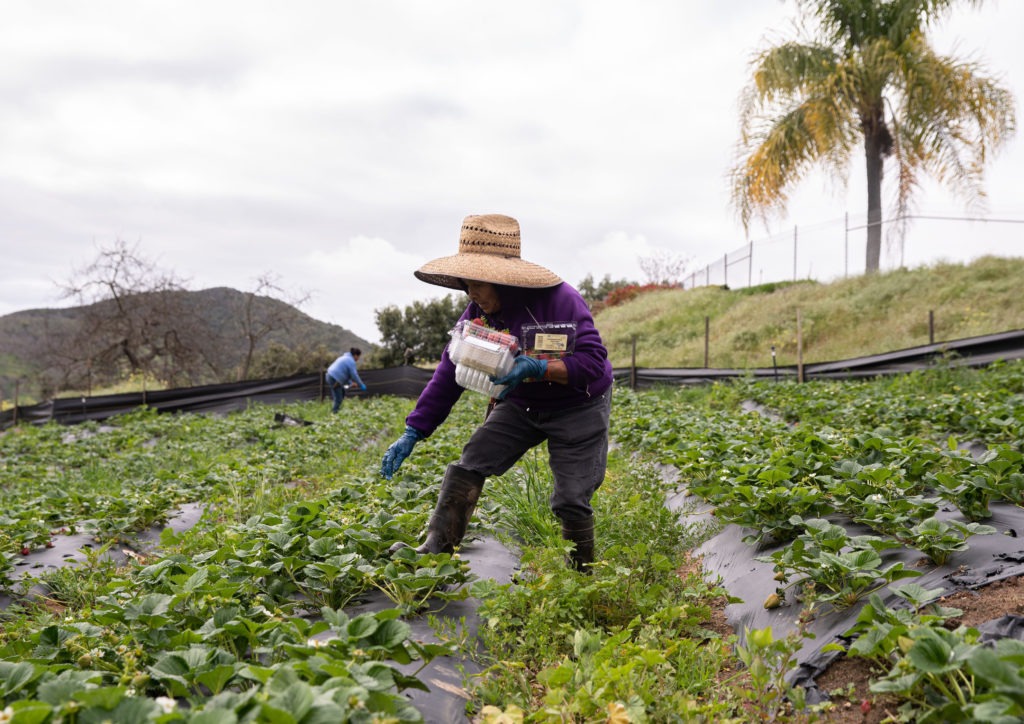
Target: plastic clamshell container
(483,349)
(480,353)
(477,381)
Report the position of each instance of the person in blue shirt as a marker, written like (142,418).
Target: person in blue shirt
(342,372)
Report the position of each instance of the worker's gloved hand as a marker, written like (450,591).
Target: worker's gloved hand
(362,386)
(399,451)
(523,367)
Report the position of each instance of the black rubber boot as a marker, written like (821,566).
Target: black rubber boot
(580,532)
(460,491)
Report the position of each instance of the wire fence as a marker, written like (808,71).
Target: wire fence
(837,249)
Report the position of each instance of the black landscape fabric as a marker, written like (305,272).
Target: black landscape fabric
(409,381)
(989,558)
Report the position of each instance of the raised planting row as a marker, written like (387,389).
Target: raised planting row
(769,476)
(117,479)
(932,404)
(888,456)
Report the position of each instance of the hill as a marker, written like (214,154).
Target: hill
(844,319)
(37,346)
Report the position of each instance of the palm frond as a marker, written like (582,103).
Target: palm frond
(867,73)
(779,153)
(950,116)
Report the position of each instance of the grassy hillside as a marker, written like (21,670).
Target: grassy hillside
(847,318)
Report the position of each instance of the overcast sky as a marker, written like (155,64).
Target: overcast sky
(337,145)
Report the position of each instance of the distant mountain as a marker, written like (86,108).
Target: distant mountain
(223,324)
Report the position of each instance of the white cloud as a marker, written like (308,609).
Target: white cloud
(340,143)
(359,276)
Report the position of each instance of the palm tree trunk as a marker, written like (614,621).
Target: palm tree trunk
(874,152)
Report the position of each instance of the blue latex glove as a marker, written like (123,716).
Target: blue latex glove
(362,386)
(522,368)
(399,451)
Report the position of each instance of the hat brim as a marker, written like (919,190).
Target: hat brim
(451,271)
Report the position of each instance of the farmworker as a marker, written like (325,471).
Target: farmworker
(341,374)
(558,390)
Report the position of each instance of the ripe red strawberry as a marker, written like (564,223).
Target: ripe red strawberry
(865,706)
(25,550)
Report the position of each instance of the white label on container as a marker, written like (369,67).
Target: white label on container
(550,342)
(484,344)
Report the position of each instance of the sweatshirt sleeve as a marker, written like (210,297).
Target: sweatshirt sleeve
(438,398)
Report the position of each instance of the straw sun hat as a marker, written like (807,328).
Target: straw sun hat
(488,252)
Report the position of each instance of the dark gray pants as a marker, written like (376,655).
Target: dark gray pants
(577,448)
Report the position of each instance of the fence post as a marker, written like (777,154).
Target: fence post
(931,326)
(750,266)
(725,270)
(707,336)
(632,367)
(17,391)
(799,347)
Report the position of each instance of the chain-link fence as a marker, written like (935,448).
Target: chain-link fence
(836,249)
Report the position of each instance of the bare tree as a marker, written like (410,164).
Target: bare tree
(257,321)
(135,321)
(665,267)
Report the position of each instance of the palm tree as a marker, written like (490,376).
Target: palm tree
(869,75)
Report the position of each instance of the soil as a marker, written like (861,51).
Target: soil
(846,681)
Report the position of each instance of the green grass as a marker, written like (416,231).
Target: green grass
(844,319)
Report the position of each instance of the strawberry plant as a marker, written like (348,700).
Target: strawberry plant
(965,486)
(410,579)
(1003,466)
(879,628)
(941,675)
(892,516)
(836,568)
(932,676)
(773,512)
(939,539)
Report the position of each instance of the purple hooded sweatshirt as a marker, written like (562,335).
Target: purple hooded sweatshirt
(590,372)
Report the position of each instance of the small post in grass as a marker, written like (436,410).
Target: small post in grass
(775,364)
(799,347)
(707,337)
(632,368)
(931,326)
